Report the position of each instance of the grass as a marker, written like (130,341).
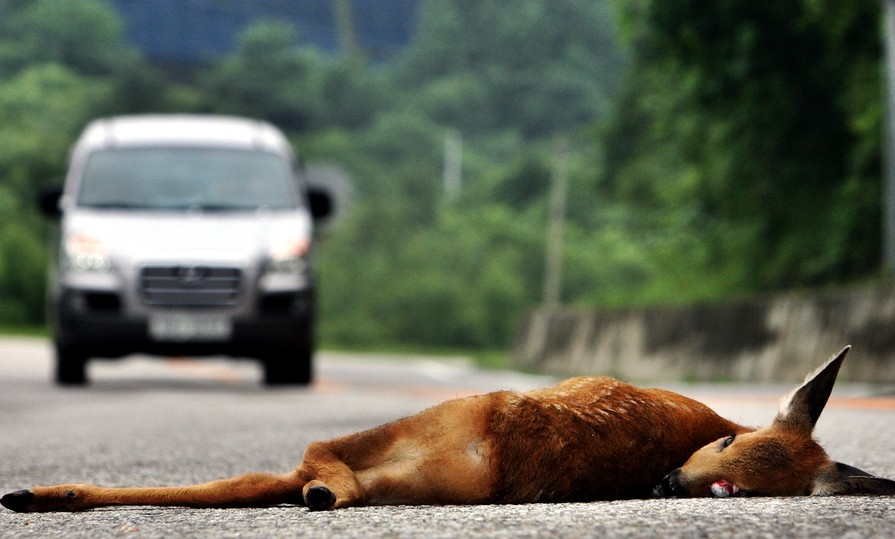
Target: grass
(486,359)
(24,331)
(492,359)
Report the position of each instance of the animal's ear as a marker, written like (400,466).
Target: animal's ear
(842,479)
(802,406)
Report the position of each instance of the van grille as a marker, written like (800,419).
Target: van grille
(190,286)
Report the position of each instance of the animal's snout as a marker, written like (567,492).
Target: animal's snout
(670,487)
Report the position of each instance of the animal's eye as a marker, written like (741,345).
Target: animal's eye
(727,441)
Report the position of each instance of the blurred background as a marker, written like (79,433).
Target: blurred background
(597,154)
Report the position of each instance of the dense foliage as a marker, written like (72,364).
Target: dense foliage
(721,150)
(754,129)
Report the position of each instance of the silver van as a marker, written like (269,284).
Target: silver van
(184,235)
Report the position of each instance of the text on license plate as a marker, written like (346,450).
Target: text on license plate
(189,327)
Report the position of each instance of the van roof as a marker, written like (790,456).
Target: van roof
(183,130)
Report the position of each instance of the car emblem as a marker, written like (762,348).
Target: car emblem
(191,275)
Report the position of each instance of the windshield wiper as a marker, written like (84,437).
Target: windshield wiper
(117,206)
(221,208)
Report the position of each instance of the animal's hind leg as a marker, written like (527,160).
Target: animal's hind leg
(250,490)
(330,482)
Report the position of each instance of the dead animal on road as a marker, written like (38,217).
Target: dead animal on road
(581,440)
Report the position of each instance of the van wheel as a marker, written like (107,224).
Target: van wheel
(294,368)
(71,366)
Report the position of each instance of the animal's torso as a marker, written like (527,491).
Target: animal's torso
(583,439)
(594,438)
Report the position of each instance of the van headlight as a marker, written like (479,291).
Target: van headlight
(87,254)
(289,256)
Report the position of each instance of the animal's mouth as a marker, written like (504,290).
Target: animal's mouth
(725,489)
(671,487)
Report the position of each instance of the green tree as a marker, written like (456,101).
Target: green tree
(746,125)
(22,266)
(269,77)
(83,35)
(352,94)
(62,62)
(41,108)
(532,66)
(296,87)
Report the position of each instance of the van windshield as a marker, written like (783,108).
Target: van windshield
(179,179)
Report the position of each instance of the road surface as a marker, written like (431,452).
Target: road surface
(156,422)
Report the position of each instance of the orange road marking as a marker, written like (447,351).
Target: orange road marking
(440,393)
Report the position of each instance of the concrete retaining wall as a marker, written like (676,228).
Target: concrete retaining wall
(772,340)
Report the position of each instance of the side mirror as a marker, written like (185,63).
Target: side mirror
(48,201)
(320,202)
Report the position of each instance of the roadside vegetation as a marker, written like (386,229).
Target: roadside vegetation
(714,151)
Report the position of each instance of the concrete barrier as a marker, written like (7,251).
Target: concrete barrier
(770,340)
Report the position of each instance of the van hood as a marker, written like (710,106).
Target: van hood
(142,238)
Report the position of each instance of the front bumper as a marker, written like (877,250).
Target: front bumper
(96,323)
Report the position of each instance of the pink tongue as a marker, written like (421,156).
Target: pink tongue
(723,489)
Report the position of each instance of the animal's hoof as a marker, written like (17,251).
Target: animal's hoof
(18,501)
(320,498)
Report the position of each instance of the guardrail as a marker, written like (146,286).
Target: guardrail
(775,339)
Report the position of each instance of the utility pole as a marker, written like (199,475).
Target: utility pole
(556,224)
(344,15)
(889,138)
(452,175)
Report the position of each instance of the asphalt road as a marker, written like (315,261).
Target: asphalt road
(154,422)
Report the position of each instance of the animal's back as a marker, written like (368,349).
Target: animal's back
(594,438)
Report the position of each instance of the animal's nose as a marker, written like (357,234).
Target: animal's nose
(670,486)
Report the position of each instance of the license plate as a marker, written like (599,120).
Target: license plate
(190,327)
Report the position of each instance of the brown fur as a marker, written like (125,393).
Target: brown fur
(583,439)
(771,461)
(595,439)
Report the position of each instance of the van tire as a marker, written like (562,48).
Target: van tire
(289,369)
(71,366)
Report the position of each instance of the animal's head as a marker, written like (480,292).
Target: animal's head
(779,460)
